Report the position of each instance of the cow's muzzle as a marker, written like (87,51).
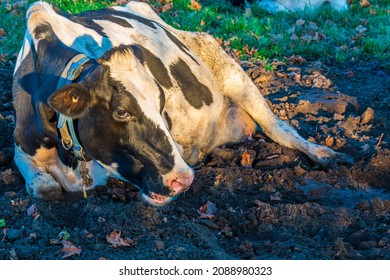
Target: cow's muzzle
(175,182)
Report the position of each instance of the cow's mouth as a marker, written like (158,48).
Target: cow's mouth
(157,199)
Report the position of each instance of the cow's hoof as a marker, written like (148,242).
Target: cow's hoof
(329,158)
(43,186)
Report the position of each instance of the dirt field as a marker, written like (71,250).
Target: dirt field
(271,203)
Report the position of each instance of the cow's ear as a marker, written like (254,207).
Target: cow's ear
(71,100)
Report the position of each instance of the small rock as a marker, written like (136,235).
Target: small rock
(383,242)
(180,249)
(367,116)
(363,205)
(9,194)
(14,234)
(26,252)
(365,245)
(159,244)
(276,196)
(208,224)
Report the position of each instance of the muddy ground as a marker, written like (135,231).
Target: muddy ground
(255,200)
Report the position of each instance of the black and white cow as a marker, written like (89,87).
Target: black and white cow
(117,92)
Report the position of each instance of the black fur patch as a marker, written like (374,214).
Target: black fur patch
(168,119)
(88,18)
(156,66)
(196,93)
(179,44)
(161,97)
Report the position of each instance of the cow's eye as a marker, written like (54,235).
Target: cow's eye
(121,114)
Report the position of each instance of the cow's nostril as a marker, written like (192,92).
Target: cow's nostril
(179,185)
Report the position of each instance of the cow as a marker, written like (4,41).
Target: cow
(119,93)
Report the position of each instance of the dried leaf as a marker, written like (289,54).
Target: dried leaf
(361,29)
(260,203)
(296,59)
(33,211)
(227,231)
(329,141)
(313,26)
(207,211)
(350,74)
(300,22)
(115,240)
(246,159)
(365,3)
(167,7)
(86,233)
(2,32)
(194,5)
(122,2)
(69,249)
(217,180)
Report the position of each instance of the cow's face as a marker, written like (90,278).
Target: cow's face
(118,110)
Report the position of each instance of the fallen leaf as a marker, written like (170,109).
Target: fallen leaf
(207,211)
(246,159)
(313,26)
(329,141)
(167,7)
(296,59)
(115,240)
(33,211)
(293,37)
(217,180)
(361,29)
(194,5)
(62,236)
(122,2)
(86,233)
(365,3)
(373,12)
(227,231)
(350,74)
(300,22)
(2,222)
(69,249)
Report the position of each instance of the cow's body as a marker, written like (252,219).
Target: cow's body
(149,101)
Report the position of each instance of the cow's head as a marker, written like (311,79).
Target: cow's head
(117,106)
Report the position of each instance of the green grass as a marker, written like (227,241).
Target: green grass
(253,33)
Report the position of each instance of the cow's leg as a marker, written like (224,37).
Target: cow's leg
(240,89)
(39,183)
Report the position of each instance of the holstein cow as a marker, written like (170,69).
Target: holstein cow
(117,92)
